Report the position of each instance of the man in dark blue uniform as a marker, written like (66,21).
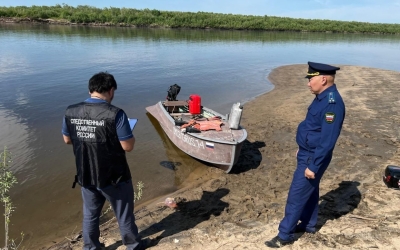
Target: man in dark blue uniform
(316,137)
(100,135)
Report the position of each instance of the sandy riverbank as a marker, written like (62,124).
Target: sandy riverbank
(241,210)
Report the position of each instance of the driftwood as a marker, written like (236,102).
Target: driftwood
(362,218)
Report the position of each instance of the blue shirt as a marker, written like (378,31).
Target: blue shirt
(320,130)
(124,131)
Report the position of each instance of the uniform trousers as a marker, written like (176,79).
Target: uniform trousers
(302,201)
(120,197)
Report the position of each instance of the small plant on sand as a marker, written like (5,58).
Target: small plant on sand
(138,194)
(7,181)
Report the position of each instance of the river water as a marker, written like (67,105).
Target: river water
(44,68)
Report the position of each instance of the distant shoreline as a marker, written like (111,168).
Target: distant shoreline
(51,21)
(145,18)
(54,21)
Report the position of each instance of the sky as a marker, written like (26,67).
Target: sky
(373,11)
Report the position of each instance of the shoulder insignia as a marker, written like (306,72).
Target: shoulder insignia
(331,97)
(329,117)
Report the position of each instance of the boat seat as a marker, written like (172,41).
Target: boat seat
(173,106)
(175,103)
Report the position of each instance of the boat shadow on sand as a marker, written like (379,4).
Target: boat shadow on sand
(250,157)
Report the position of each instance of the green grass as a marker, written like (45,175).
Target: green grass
(83,14)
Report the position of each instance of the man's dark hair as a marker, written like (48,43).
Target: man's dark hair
(102,82)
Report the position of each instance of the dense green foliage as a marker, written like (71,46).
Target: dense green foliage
(203,20)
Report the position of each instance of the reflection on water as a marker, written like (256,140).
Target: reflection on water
(117,34)
(45,68)
(179,162)
(15,135)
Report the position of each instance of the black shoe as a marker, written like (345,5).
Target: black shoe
(144,244)
(277,242)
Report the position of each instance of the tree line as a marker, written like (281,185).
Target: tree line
(84,14)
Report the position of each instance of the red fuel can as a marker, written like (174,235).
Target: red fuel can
(194,104)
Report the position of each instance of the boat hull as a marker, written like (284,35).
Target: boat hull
(220,148)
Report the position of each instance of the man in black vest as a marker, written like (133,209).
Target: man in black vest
(100,134)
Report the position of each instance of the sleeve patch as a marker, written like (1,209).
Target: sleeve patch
(329,117)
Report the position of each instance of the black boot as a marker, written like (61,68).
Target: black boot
(277,242)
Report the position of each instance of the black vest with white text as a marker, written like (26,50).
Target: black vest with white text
(100,158)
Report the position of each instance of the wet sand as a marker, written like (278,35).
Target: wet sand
(242,210)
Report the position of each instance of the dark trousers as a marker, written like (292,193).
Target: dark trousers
(302,201)
(121,199)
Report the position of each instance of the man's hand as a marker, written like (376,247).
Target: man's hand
(309,174)
(67,139)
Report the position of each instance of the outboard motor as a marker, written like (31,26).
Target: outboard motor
(173,92)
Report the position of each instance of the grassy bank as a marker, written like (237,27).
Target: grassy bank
(201,20)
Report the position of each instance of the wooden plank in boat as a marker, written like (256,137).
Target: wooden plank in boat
(179,114)
(175,103)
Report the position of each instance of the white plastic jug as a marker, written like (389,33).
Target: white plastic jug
(235,115)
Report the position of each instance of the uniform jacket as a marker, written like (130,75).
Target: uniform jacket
(320,130)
